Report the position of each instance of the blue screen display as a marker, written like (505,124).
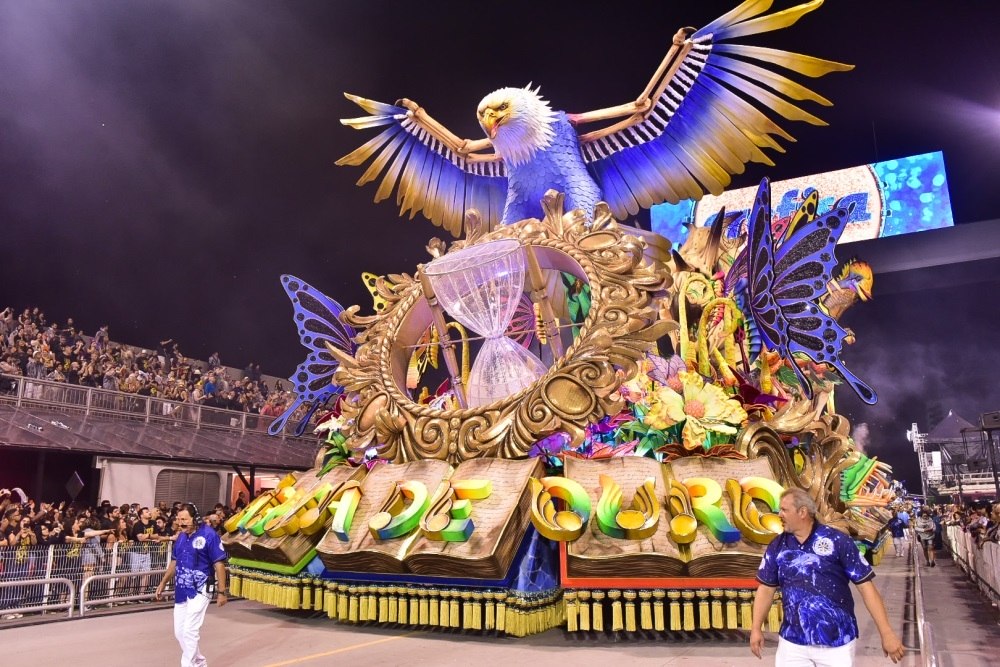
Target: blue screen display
(890,198)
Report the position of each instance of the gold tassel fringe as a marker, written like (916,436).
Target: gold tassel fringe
(503,611)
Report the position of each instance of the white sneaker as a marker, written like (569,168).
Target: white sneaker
(11,617)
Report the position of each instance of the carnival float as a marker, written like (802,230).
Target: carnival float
(561,420)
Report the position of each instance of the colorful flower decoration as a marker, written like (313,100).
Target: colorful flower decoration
(702,407)
(330,424)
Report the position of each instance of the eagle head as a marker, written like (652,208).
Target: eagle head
(517,121)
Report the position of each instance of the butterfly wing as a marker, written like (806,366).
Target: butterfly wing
(663,369)
(316,317)
(803,265)
(659,370)
(424,354)
(371,284)
(818,336)
(764,308)
(578,299)
(806,212)
(771,323)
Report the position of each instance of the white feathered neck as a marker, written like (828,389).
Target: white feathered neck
(529,128)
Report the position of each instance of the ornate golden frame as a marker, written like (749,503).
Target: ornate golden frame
(829,452)
(579,388)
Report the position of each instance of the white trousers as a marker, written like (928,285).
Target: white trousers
(188,617)
(899,544)
(796,655)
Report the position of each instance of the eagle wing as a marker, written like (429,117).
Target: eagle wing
(431,170)
(703,115)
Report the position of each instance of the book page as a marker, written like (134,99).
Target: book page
(719,470)
(490,516)
(294,547)
(375,488)
(237,545)
(629,472)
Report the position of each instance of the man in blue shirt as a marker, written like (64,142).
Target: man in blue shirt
(814,564)
(198,553)
(898,531)
(209,386)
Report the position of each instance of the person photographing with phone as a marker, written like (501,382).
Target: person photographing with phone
(198,556)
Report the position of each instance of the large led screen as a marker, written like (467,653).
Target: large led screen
(890,198)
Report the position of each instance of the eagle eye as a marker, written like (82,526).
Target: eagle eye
(503,107)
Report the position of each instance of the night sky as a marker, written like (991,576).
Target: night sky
(164,162)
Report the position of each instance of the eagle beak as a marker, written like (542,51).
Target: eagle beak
(490,124)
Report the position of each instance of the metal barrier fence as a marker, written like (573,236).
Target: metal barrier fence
(982,565)
(28,392)
(64,601)
(56,577)
(925,632)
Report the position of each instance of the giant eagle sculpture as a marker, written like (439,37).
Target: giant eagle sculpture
(700,119)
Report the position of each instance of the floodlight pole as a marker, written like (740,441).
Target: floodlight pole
(918,439)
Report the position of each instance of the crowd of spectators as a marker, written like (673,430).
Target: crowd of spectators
(980,520)
(85,538)
(33,347)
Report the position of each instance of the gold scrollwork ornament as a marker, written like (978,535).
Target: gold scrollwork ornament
(579,388)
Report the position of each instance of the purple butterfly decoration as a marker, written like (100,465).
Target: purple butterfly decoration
(316,317)
(664,369)
(784,285)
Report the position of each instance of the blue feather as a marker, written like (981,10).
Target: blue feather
(452,178)
(689,120)
(631,172)
(676,176)
(411,182)
(609,175)
(385,155)
(374,107)
(430,192)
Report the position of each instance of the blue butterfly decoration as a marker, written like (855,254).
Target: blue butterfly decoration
(750,328)
(783,286)
(317,320)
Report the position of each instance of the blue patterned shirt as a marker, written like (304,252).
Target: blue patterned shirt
(196,556)
(814,579)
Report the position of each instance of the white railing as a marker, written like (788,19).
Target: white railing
(62,600)
(31,392)
(80,577)
(107,590)
(52,578)
(981,564)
